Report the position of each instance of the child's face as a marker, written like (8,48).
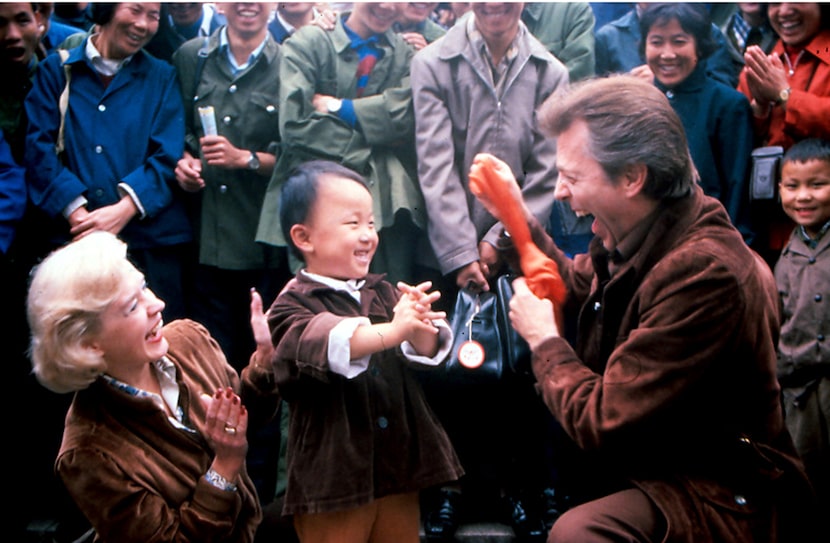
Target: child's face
(805,193)
(340,236)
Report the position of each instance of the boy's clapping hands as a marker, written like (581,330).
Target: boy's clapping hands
(414,312)
(417,299)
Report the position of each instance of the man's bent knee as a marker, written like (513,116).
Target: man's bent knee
(628,515)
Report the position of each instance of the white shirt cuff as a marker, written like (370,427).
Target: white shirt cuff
(123,189)
(445,340)
(80,201)
(339,351)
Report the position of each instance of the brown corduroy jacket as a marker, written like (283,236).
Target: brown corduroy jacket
(351,441)
(672,385)
(135,476)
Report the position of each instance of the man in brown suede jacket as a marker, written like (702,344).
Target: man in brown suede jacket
(670,393)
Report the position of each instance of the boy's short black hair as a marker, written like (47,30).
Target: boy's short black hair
(299,193)
(806,150)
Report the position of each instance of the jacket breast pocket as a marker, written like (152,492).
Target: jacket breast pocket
(328,86)
(262,125)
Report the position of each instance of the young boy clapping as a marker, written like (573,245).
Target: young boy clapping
(362,440)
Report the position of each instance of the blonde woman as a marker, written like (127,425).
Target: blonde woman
(154,442)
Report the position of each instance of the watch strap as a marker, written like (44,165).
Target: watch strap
(218,481)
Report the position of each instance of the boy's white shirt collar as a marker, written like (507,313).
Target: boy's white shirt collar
(352,286)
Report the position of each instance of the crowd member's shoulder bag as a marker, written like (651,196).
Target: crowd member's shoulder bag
(486,348)
(63,101)
(766,162)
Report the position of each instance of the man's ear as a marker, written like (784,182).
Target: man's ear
(300,236)
(40,21)
(634,178)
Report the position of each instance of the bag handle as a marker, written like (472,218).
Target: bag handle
(63,101)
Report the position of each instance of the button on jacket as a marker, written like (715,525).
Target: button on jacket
(803,277)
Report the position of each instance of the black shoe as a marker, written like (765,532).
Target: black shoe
(526,526)
(553,505)
(441,523)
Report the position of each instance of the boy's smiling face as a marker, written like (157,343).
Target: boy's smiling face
(805,193)
(338,239)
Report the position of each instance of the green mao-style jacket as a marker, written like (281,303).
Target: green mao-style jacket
(381,148)
(246,111)
(566,29)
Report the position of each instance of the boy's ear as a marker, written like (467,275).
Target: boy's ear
(300,237)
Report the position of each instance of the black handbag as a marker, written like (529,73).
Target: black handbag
(486,348)
(766,164)
(517,351)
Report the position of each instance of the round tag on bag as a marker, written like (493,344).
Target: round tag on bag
(471,354)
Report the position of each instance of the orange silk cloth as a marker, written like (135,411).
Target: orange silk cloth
(540,271)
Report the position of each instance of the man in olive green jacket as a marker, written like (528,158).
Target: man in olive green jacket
(229,170)
(566,29)
(324,116)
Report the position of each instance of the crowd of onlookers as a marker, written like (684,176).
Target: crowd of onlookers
(175,126)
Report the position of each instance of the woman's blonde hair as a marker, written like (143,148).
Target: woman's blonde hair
(67,294)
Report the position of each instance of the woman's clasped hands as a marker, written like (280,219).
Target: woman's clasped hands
(226,426)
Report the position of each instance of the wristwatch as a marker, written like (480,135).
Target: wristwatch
(783,96)
(333,105)
(253,162)
(219,482)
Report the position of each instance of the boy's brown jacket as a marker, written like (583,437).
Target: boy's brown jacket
(351,441)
